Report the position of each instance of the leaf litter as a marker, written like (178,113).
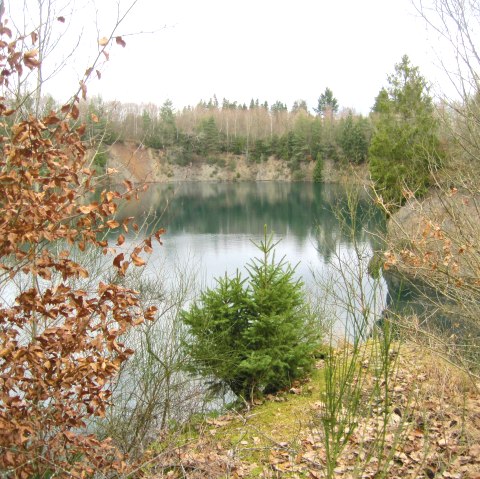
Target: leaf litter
(431,430)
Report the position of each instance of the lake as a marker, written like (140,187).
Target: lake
(212,227)
(328,230)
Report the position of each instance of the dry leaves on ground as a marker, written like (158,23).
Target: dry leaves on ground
(431,430)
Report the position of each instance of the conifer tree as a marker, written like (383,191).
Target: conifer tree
(326,102)
(405,144)
(318,169)
(256,335)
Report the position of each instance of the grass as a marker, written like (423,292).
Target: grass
(275,423)
(247,436)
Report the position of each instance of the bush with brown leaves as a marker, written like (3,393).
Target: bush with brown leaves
(60,345)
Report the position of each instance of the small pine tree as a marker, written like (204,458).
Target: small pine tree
(256,335)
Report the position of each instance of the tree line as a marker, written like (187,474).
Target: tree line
(258,131)
(63,324)
(400,139)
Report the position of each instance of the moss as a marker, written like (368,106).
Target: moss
(271,423)
(276,421)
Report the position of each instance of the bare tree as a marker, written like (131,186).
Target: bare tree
(51,27)
(434,244)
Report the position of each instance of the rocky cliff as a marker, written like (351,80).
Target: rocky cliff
(140,164)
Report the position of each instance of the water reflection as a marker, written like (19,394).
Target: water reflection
(215,223)
(327,231)
(302,210)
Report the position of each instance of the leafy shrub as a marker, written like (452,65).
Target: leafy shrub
(232,165)
(179,156)
(253,335)
(298,175)
(60,343)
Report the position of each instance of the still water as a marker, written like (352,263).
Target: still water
(212,227)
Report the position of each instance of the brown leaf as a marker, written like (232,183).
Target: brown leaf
(75,112)
(120,41)
(118,260)
(29,59)
(124,268)
(30,54)
(5,31)
(86,209)
(150,313)
(137,261)
(83,87)
(113,224)
(83,273)
(159,233)
(61,19)
(51,119)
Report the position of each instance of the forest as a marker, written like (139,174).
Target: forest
(210,131)
(404,125)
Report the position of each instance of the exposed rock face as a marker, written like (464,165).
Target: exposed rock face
(435,240)
(139,164)
(133,162)
(432,261)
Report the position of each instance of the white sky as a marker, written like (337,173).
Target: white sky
(267,49)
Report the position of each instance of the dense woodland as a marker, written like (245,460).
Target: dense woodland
(400,140)
(210,130)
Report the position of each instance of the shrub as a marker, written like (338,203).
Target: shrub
(60,343)
(298,175)
(253,335)
(178,155)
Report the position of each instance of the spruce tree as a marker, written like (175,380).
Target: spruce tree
(405,141)
(255,335)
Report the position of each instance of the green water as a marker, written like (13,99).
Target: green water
(213,224)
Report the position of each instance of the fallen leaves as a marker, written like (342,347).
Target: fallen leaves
(428,432)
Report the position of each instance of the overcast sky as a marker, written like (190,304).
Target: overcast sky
(266,49)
